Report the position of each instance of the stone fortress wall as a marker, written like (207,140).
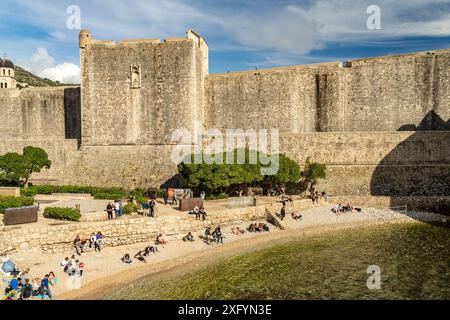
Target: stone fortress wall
(115,129)
(379,94)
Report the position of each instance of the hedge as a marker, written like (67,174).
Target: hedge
(14,202)
(98,193)
(219,196)
(67,214)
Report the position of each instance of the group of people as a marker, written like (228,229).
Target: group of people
(277,191)
(95,241)
(143,254)
(149,208)
(72,267)
(215,236)
(338,209)
(258,227)
(21,287)
(116,208)
(200,213)
(316,196)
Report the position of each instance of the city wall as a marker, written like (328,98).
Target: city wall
(115,129)
(407,92)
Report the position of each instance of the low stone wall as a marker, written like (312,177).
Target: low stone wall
(438,204)
(58,239)
(9,192)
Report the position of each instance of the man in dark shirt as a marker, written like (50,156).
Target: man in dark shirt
(78,246)
(283,212)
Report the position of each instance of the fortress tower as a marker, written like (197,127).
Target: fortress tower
(7,74)
(138,91)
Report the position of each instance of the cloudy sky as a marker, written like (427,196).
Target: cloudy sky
(242,34)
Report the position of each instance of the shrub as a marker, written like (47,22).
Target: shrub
(130,208)
(98,193)
(67,214)
(108,196)
(217,196)
(14,202)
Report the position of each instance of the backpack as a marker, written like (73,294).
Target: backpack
(27,291)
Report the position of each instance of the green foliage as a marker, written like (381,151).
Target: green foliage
(12,169)
(98,193)
(131,208)
(313,172)
(288,172)
(16,169)
(24,76)
(14,202)
(138,195)
(219,178)
(67,214)
(108,196)
(219,196)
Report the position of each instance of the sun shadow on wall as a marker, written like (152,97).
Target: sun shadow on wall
(419,167)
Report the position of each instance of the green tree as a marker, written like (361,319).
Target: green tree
(35,159)
(288,172)
(214,178)
(312,173)
(12,169)
(16,169)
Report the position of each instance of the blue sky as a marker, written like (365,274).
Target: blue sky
(242,34)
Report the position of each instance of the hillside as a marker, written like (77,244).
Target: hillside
(24,76)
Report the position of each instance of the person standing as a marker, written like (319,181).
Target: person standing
(120,208)
(203,213)
(109,209)
(283,212)
(78,246)
(152,205)
(166,197)
(117,208)
(202,195)
(197,213)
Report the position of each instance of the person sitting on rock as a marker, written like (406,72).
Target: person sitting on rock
(150,249)
(188,238)
(78,245)
(207,235)
(217,235)
(126,259)
(252,228)
(140,256)
(160,240)
(296,217)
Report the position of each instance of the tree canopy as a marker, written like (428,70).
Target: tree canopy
(313,172)
(213,177)
(16,169)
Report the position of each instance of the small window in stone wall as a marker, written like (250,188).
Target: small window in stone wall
(135,77)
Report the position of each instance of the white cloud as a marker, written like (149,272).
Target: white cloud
(41,60)
(287,30)
(65,73)
(43,65)
(58,35)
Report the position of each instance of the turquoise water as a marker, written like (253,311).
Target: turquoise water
(413,258)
